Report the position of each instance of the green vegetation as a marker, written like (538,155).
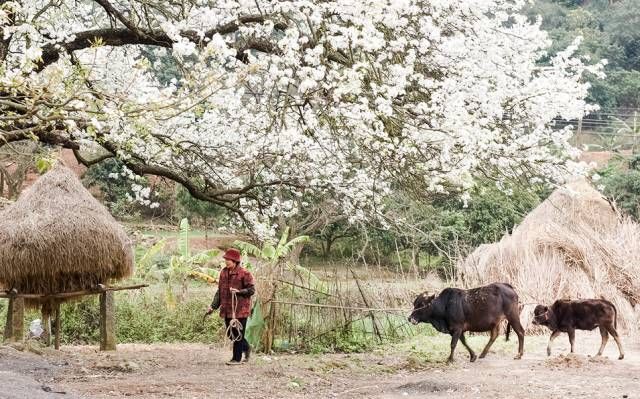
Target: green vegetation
(621,183)
(611,31)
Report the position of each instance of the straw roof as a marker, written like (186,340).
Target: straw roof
(573,245)
(57,238)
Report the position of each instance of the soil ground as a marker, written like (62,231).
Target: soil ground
(413,369)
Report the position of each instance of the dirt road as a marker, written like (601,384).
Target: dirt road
(413,369)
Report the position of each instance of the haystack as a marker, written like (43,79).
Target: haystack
(573,245)
(57,238)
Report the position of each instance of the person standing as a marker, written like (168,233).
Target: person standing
(235,288)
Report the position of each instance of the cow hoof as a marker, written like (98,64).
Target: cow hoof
(621,357)
(473,358)
(449,361)
(483,355)
(518,357)
(548,353)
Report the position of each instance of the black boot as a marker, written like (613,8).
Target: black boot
(247,353)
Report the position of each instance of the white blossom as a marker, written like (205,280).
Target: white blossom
(350,99)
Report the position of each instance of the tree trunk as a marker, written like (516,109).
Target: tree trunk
(327,246)
(294,257)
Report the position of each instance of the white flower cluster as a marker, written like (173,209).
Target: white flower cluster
(344,97)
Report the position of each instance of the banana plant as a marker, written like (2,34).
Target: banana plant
(272,253)
(146,266)
(182,266)
(185,265)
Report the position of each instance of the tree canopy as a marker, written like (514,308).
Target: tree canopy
(274,100)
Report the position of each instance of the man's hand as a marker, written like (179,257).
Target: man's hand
(209,310)
(233,290)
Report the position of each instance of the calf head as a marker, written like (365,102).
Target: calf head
(541,315)
(421,308)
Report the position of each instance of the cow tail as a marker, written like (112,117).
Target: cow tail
(615,317)
(506,336)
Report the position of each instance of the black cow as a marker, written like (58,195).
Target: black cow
(456,311)
(569,316)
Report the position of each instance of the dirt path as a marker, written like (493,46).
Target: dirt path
(408,370)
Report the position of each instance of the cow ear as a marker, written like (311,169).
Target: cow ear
(432,297)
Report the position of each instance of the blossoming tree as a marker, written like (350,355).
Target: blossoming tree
(276,99)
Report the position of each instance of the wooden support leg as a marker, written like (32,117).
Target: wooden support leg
(14,329)
(18,319)
(57,341)
(46,324)
(107,322)
(8,327)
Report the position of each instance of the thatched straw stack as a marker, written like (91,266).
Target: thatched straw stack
(573,245)
(57,238)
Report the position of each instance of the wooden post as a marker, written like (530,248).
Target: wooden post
(14,329)
(18,319)
(271,328)
(579,134)
(57,341)
(46,323)
(8,327)
(107,322)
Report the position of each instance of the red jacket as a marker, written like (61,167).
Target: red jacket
(242,280)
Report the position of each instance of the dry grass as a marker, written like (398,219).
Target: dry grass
(574,245)
(57,238)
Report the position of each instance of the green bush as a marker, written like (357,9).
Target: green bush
(622,185)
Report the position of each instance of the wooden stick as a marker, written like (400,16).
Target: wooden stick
(303,287)
(58,333)
(74,293)
(364,309)
(366,303)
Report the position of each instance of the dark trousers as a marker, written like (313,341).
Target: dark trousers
(238,346)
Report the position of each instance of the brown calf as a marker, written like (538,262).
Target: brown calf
(569,316)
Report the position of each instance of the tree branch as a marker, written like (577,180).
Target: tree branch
(123,36)
(88,163)
(109,37)
(111,11)
(4,42)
